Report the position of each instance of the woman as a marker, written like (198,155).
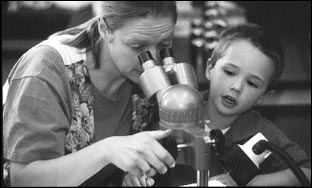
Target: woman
(64,124)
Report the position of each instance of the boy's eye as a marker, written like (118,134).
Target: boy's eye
(252,84)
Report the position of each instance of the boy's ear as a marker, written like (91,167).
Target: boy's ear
(208,70)
(260,100)
(104,31)
(270,92)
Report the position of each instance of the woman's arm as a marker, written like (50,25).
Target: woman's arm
(69,170)
(281,178)
(135,154)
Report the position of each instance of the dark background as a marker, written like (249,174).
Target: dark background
(290,21)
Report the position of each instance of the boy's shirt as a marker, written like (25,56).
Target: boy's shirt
(250,123)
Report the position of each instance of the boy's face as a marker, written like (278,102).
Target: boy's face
(239,79)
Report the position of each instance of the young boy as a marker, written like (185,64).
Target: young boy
(244,66)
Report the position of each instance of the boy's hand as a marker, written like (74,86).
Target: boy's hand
(225,179)
(134,181)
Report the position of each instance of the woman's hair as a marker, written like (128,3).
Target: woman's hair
(258,37)
(115,14)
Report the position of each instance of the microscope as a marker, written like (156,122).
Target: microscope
(180,109)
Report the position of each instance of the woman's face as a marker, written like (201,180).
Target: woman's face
(135,36)
(239,79)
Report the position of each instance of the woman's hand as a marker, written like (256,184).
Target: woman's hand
(134,181)
(140,153)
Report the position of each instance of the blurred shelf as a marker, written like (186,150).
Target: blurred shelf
(287,97)
(19,45)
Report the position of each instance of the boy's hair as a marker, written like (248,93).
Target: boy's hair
(258,37)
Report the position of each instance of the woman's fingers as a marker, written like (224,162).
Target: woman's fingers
(156,162)
(134,181)
(151,173)
(159,134)
(139,167)
(131,181)
(150,182)
(159,157)
(163,155)
(143,181)
(160,152)
(140,152)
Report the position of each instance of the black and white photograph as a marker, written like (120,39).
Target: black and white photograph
(156,93)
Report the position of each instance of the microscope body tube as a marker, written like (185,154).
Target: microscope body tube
(153,79)
(178,73)
(185,74)
(168,65)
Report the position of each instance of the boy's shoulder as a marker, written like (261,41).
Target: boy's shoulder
(253,117)
(250,123)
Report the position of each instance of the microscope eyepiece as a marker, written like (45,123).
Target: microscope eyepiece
(166,52)
(145,56)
